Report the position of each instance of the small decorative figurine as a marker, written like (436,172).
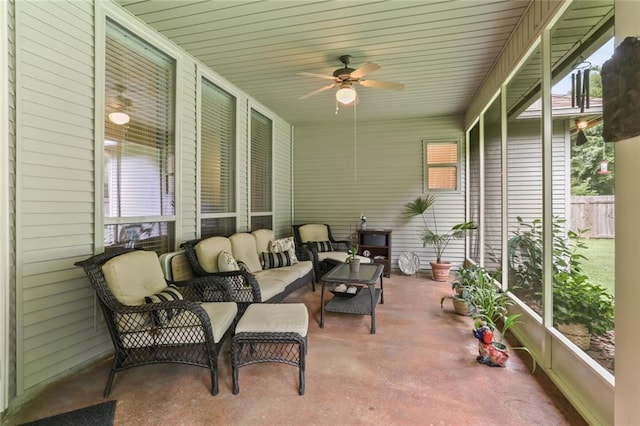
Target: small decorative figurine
(363,221)
(491,353)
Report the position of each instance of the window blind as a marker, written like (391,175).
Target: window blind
(138,157)
(441,164)
(261,163)
(217,150)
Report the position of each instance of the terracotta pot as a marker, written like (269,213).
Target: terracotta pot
(440,271)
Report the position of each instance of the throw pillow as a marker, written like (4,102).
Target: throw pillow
(275,260)
(322,246)
(226,262)
(284,244)
(169,294)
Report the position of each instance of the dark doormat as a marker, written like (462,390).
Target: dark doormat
(95,415)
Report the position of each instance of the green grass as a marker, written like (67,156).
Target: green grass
(600,266)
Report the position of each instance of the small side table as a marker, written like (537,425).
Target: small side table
(363,303)
(377,244)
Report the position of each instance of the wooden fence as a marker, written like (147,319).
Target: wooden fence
(595,213)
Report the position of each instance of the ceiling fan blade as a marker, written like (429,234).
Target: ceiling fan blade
(365,69)
(310,74)
(315,92)
(381,84)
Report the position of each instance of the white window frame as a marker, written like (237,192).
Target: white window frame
(425,166)
(203,73)
(251,106)
(104,10)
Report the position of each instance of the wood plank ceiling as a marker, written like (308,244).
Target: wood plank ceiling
(440,50)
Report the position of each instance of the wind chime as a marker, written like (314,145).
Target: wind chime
(580,99)
(580,95)
(580,87)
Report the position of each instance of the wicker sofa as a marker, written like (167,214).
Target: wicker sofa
(255,280)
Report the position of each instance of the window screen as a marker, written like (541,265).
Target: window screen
(441,165)
(139,189)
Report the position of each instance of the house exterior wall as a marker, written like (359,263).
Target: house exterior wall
(186,152)
(524,171)
(57,327)
(54,189)
(336,179)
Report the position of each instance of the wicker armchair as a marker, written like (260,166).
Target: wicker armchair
(184,330)
(309,233)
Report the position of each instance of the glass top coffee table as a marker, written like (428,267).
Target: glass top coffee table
(364,301)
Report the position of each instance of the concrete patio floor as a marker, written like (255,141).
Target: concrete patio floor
(419,368)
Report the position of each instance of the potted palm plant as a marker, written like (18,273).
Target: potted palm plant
(431,237)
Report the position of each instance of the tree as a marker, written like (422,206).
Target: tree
(585,165)
(595,82)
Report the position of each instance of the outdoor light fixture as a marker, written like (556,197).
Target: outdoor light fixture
(120,118)
(346,94)
(581,138)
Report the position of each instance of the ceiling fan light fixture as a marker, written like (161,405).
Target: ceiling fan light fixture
(346,94)
(120,118)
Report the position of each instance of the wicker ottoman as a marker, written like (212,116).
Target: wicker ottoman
(271,333)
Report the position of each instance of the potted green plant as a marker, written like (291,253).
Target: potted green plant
(581,308)
(418,207)
(352,260)
(462,288)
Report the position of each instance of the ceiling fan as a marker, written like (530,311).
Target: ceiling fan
(346,77)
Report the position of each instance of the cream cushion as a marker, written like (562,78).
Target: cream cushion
(270,285)
(221,315)
(274,318)
(313,232)
(208,251)
(303,267)
(284,275)
(274,281)
(125,280)
(244,249)
(263,237)
(297,270)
